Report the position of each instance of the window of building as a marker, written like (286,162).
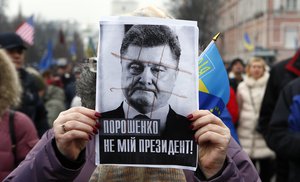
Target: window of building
(291,4)
(276,4)
(291,38)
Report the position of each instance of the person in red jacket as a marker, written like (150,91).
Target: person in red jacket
(22,130)
(233,107)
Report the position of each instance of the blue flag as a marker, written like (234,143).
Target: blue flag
(213,80)
(72,51)
(47,58)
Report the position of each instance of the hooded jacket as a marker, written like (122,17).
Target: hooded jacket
(54,99)
(280,75)
(25,133)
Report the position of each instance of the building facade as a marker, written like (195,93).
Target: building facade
(267,28)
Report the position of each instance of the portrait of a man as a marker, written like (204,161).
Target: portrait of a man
(146,84)
(149,58)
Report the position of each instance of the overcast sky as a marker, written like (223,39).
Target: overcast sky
(87,11)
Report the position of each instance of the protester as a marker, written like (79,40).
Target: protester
(232,107)
(31,103)
(67,155)
(281,74)
(283,136)
(236,74)
(53,78)
(17,132)
(67,152)
(53,97)
(67,77)
(250,94)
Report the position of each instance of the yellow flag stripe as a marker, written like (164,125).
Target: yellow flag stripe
(202,87)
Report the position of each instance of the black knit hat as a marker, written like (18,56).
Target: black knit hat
(11,40)
(237,60)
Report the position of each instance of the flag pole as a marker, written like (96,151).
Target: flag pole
(216,37)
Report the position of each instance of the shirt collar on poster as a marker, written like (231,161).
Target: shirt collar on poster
(160,113)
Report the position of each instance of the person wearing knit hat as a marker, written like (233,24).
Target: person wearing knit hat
(67,152)
(31,104)
(11,40)
(14,46)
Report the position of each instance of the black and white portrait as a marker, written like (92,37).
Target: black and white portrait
(147,82)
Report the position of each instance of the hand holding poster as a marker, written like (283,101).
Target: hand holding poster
(146,85)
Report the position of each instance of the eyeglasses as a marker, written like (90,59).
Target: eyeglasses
(92,63)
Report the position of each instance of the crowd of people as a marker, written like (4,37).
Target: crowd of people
(267,124)
(45,138)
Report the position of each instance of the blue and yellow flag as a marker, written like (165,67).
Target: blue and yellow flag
(72,51)
(91,50)
(247,42)
(213,80)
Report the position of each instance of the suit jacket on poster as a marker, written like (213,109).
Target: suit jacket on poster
(177,126)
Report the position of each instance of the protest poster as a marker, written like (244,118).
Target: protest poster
(147,83)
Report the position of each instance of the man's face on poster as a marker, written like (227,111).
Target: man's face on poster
(148,76)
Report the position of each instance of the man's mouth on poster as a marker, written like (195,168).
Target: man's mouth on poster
(142,90)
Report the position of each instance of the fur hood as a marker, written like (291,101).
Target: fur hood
(250,82)
(10,87)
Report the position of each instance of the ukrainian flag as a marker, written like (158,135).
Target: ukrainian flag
(247,42)
(213,80)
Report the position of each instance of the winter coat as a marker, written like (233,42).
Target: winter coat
(26,137)
(233,81)
(25,133)
(284,135)
(31,103)
(54,100)
(232,106)
(43,163)
(281,74)
(250,94)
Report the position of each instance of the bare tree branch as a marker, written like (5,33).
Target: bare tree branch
(202,11)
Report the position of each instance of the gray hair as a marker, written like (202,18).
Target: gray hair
(150,36)
(86,88)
